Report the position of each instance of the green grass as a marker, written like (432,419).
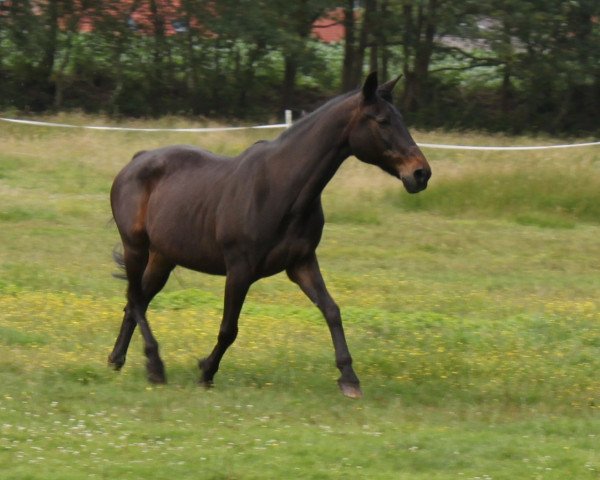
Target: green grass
(471,310)
(538,197)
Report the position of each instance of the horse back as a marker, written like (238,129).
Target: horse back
(168,175)
(149,165)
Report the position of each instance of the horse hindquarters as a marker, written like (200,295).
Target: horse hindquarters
(146,271)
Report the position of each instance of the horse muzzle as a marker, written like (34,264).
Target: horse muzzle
(417,180)
(412,168)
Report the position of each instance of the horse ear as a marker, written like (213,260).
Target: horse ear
(369,89)
(385,89)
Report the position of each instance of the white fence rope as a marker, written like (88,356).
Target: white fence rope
(283,125)
(524,147)
(132,129)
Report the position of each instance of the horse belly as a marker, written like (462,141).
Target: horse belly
(186,237)
(194,253)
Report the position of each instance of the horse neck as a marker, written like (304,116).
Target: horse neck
(312,151)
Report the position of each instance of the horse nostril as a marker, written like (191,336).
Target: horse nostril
(422,175)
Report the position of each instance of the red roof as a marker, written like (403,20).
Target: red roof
(330,28)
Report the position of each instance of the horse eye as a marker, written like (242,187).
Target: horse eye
(382,120)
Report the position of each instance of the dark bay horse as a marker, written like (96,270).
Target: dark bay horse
(251,216)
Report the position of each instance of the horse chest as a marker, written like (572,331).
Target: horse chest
(296,242)
(287,252)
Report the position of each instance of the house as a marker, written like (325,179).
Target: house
(330,28)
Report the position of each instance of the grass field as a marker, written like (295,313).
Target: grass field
(471,310)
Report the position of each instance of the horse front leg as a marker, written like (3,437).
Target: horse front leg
(237,285)
(307,275)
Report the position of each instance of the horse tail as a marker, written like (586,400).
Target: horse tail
(119,259)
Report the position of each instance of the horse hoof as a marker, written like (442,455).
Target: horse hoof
(204,381)
(207,384)
(351,390)
(157,379)
(115,364)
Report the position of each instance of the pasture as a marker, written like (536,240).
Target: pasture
(471,310)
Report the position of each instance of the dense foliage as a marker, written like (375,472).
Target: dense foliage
(515,65)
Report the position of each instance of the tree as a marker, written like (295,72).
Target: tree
(294,22)
(359,25)
(113,24)
(521,64)
(29,50)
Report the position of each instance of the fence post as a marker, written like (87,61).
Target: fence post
(288,118)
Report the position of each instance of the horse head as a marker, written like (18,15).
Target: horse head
(377,135)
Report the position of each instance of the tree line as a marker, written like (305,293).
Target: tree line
(511,65)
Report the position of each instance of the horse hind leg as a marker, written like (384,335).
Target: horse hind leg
(134,262)
(117,357)
(147,274)
(154,279)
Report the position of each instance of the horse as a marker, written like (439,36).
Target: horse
(251,216)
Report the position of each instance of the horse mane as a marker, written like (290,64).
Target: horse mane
(308,119)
